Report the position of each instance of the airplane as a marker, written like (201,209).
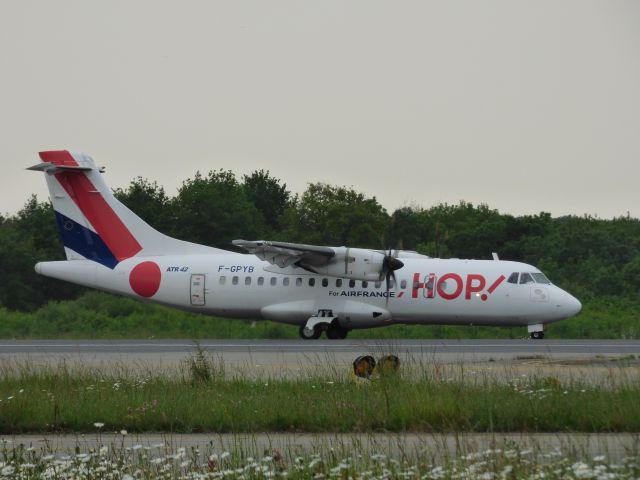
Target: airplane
(320,289)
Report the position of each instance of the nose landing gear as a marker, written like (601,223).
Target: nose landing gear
(536,331)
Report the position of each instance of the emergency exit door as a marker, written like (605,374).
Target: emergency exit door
(197,290)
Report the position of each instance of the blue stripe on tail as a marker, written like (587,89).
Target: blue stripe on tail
(85,242)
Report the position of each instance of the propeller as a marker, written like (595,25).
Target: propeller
(389,266)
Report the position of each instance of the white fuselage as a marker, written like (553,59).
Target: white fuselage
(427,290)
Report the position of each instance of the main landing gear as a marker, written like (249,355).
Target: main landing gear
(333,331)
(312,333)
(324,321)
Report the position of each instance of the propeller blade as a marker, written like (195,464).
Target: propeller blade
(389,265)
(387,276)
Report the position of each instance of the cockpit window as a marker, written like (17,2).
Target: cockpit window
(540,278)
(525,278)
(513,278)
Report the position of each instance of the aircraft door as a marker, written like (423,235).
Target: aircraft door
(197,290)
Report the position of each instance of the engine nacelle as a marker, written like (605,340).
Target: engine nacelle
(362,315)
(354,263)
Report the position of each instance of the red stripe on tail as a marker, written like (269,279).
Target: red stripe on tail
(94,207)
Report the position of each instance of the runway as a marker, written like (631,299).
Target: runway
(460,348)
(286,356)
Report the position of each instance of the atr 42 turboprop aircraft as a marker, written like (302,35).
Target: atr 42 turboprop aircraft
(320,289)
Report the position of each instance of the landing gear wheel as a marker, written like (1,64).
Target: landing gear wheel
(363,366)
(336,332)
(310,334)
(537,335)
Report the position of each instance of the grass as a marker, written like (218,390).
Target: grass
(103,316)
(202,397)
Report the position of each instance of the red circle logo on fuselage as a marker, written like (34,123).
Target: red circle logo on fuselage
(145,279)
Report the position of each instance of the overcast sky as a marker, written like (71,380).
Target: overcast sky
(526,106)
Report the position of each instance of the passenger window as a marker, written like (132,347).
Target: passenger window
(338,282)
(525,278)
(513,278)
(325,282)
(234,280)
(392,283)
(377,284)
(312,282)
(365,284)
(273,281)
(247,281)
(298,282)
(352,283)
(403,284)
(260,280)
(285,281)
(223,280)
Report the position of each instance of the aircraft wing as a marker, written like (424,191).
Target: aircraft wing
(285,254)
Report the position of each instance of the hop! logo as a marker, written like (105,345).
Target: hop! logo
(433,286)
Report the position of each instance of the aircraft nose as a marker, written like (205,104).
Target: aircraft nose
(572,305)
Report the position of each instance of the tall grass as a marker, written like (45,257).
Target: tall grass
(503,460)
(203,398)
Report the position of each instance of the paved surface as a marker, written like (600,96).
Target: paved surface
(614,446)
(501,348)
(284,357)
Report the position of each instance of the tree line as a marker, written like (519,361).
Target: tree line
(588,256)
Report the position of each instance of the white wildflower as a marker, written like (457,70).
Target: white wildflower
(8,470)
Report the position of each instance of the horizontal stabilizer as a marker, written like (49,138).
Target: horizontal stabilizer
(50,167)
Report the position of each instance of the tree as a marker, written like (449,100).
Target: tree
(268,196)
(214,210)
(149,201)
(330,215)
(25,239)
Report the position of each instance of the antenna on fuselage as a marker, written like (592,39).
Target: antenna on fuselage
(495,256)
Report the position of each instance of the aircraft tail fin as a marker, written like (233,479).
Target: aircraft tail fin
(93,224)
